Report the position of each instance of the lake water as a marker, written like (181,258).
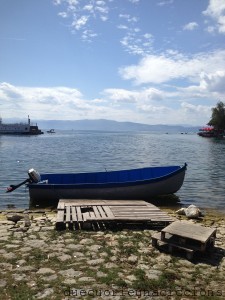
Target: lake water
(73,151)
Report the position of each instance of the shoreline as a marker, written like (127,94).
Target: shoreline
(38,262)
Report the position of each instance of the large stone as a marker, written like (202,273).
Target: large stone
(70,273)
(2,283)
(95,262)
(45,271)
(45,294)
(49,278)
(86,241)
(64,257)
(86,279)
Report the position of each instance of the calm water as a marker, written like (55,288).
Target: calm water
(74,151)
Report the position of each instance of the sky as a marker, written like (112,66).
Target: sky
(145,61)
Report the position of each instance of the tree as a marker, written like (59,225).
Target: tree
(218,117)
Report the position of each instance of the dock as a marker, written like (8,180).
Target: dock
(81,214)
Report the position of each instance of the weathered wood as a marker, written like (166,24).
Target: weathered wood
(95,208)
(110,211)
(60,216)
(74,214)
(101,211)
(191,231)
(79,214)
(68,216)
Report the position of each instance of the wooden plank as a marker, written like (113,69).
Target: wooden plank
(97,215)
(108,211)
(191,231)
(121,219)
(74,214)
(61,205)
(79,214)
(80,202)
(68,215)
(101,211)
(60,216)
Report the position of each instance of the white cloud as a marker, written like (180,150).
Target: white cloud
(213,82)
(216,10)
(80,23)
(169,66)
(165,2)
(136,96)
(81,13)
(190,26)
(148,105)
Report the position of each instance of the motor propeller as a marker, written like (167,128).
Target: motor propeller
(34,177)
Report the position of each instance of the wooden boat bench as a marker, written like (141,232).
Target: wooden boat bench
(85,212)
(186,236)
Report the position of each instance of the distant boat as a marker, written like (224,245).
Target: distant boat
(124,184)
(19,128)
(51,131)
(207,132)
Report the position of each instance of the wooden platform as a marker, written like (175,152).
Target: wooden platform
(76,213)
(186,236)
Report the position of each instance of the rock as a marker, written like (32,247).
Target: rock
(64,257)
(36,243)
(86,241)
(153,274)
(70,273)
(132,259)
(69,281)
(95,262)
(20,277)
(74,247)
(95,248)
(78,254)
(100,274)
(45,271)
(180,211)
(192,212)
(131,277)
(49,278)
(86,279)
(3,283)
(27,222)
(45,294)
(9,255)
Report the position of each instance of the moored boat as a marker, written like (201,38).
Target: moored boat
(124,184)
(19,128)
(51,131)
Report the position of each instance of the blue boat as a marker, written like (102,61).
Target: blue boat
(125,184)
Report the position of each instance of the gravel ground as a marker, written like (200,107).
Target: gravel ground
(39,262)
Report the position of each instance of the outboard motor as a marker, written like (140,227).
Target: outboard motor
(34,177)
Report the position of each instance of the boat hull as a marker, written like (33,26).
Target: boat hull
(51,193)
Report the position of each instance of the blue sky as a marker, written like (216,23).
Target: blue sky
(147,61)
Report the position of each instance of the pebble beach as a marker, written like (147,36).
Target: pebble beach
(39,262)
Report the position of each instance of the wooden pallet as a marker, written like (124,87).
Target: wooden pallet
(73,213)
(183,235)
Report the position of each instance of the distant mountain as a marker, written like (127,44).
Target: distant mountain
(106,125)
(109,125)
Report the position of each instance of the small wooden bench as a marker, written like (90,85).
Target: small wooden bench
(186,236)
